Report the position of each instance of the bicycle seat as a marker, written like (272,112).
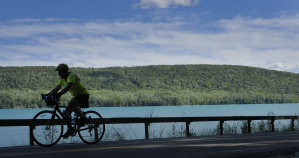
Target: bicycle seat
(86,105)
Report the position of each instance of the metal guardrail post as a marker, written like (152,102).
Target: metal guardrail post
(31,141)
(187,129)
(272,125)
(146,130)
(221,127)
(249,126)
(292,125)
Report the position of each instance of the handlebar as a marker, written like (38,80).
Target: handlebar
(50,99)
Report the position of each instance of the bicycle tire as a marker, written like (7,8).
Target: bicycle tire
(45,131)
(93,131)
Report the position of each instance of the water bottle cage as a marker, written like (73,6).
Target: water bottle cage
(74,121)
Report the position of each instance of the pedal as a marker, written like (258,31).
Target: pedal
(72,134)
(69,133)
(66,135)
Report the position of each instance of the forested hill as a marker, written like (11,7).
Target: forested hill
(20,87)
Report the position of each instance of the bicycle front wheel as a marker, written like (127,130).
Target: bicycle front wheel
(45,129)
(93,131)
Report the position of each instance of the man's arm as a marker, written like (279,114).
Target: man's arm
(55,90)
(66,89)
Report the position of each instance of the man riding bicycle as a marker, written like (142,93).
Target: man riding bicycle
(72,84)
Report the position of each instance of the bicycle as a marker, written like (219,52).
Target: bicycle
(46,127)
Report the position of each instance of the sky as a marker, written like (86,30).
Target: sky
(110,33)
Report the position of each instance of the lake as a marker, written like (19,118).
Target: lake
(19,136)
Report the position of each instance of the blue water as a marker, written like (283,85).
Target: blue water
(19,136)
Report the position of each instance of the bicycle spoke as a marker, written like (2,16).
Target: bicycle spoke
(94,129)
(45,132)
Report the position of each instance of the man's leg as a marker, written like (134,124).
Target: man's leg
(74,106)
(67,114)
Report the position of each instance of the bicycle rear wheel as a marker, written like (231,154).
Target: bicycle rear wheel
(45,130)
(94,129)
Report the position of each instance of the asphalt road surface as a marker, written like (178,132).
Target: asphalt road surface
(271,145)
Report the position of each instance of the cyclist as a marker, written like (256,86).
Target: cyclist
(72,84)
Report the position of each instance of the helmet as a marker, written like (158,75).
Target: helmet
(62,67)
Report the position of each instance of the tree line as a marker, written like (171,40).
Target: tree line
(159,85)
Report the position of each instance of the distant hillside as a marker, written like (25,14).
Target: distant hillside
(20,87)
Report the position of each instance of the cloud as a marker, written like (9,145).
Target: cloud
(146,4)
(284,66)
(34,20)
(268,43)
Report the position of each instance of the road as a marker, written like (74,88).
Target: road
(255,145)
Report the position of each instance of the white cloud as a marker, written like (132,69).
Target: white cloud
(284,66)
(146,4)
(35,20)
(238,41)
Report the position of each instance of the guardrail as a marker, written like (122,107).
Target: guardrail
(147,121)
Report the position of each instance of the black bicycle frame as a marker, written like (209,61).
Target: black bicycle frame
(56,108)
(68,123)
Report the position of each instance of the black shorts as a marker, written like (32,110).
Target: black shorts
(83,99)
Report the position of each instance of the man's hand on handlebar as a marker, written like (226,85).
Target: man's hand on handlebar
(58,95)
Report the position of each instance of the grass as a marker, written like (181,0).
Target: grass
(171,130)
(119,133)
(179,130)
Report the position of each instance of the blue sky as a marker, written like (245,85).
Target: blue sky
(105,33)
